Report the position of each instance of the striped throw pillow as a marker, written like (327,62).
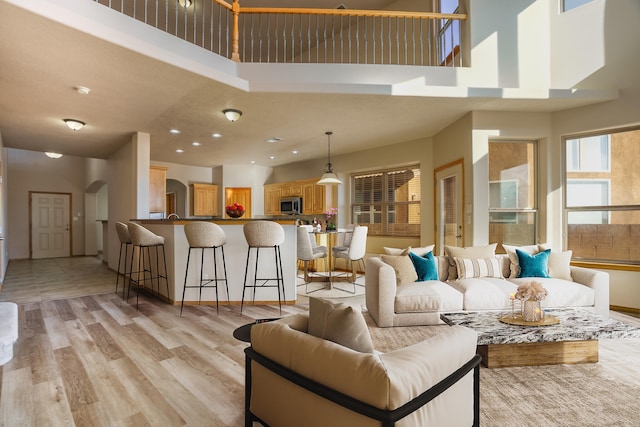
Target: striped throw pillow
(478,267)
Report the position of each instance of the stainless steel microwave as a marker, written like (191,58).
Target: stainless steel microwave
(291,205)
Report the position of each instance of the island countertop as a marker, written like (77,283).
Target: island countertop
(284,220)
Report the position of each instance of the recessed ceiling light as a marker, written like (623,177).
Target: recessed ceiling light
(82,90)
(294,152)
(253,162)
(274,139)
(196,144)
(272,157)
(179,150)
(216,135)
(53,155)
(174,131)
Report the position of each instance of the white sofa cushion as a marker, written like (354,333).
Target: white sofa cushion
(562,293)
(485,293)
(429,296)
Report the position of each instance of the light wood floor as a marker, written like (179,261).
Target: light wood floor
(86,357)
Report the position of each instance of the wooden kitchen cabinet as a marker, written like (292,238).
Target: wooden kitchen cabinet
(272,195)
(204,200)
(314,196)
(157,189)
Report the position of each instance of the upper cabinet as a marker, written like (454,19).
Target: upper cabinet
(204,200)
(157,189)
(314,196)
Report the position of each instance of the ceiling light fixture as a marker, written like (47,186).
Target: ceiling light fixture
(274,139)
(174,131)
(231,114)
(179,150)
(216,135)
(329,178)
(196,144)
(82,90)
(52,155)
(74,124)
(185,3)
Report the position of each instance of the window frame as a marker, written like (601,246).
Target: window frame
(500,213)
(387,209)
(610,208)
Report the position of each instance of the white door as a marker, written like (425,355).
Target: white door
(449,201)
(50,225)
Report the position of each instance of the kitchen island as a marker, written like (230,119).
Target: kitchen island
(235,251)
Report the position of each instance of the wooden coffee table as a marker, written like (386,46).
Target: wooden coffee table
(573,340)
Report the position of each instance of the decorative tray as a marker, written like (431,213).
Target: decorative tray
(519,321)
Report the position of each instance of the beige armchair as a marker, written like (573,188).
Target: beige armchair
(296,379)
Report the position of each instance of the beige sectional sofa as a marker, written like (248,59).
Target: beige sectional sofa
(296,379)
(420,303)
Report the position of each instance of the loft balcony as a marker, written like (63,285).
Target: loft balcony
(306,35)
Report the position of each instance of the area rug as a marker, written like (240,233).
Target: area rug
(592,394)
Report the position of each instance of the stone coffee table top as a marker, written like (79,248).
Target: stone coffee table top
(575,325)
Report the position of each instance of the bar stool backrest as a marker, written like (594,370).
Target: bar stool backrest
(123,232)
(140,236)
(201,234)
(261,234)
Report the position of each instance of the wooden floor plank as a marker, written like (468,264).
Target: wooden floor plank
(77,385)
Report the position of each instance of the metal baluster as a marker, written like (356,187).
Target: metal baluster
(268,38)
(325,38)
(317,40)
(252,38)
(204,9)
(421,44)
(293,38)
(341,40)
(284,39)
(452,44)
(333,40)
(390,49)
(358,39)
(309,39)
(373,38)
(275,34)
(366,41)
(301,39)
(349,37)
(413,41)
(397,43)
(406,47)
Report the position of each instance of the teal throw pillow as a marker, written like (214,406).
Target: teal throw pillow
(533,265)
(425,266)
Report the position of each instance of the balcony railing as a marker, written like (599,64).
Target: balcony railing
(305,35)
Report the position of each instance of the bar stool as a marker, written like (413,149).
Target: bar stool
(262,235)
(145,239)
(125,240)
(204,235)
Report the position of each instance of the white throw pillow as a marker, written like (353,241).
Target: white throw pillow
(453,252)
(340,323)
(559,265)
(478,267)
(418,251)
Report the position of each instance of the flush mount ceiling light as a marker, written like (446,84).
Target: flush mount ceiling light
(52,155)
(216,135)
(231,114)
(185,3)
(82,90)
(74,124)
(274,139)
(174,131)
(329,178)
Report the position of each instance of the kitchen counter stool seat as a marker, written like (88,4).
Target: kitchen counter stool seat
(125,241)
(205,235)
(264,235)
(144,240)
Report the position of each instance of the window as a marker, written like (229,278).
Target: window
(572,4)
(388,202)
(448,33)
(602,198)
(589,154)
(512,189)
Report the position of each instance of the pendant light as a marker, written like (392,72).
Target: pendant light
(329,177)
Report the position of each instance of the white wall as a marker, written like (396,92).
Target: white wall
(33,171)
(4,202)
